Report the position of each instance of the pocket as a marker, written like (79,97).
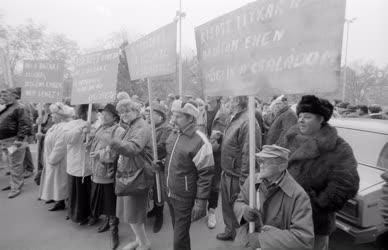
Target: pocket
(186,184)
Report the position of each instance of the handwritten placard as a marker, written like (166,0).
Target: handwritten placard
(95,77)
(43,81)
(154,54)
(271,47)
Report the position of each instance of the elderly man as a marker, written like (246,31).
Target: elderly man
(235,161)
(189,172)
(283,217)
(15,127)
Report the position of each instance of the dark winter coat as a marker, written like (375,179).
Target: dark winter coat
(15,122)
(135,150)
(283,121)
(162,133)
(326,168)
(235,146)
(189,164)
(104,166)
(217,129)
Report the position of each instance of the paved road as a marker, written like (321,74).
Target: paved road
(25,224)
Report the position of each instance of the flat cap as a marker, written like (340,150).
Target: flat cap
(273,151)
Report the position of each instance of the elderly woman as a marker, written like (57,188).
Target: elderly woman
(322,163)
(104,165)
(135,149)
(78,166)
(54,178)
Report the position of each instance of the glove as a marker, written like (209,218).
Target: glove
(251,214)
(199,209)
(253,241)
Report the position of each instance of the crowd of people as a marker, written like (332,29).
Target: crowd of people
(102,164)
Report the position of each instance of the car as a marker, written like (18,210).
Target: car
(361,217)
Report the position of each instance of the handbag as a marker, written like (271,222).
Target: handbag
(134,182)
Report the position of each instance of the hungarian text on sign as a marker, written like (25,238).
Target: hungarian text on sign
(43,81)
(154,54)
(95,77)
(273,46)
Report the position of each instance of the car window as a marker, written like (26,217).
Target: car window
(383,158)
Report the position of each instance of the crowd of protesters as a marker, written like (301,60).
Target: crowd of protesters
(101,164)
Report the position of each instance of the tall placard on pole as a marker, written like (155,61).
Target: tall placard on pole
(43,81)
(95,77)
(272,47)
(153,55)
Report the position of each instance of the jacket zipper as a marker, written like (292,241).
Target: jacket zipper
(187,187)
(169,163)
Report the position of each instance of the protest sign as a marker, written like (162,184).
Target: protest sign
(154,54)
(273,46)
(95,77)
(43,81)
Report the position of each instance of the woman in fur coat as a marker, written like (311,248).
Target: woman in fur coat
(322,163)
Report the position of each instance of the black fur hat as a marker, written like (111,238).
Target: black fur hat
(112,109)
(315,105)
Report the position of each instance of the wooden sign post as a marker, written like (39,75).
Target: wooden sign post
(154,145)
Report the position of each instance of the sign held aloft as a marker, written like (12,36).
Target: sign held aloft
(95,77)
(273,46)
(43,81)
(153,54)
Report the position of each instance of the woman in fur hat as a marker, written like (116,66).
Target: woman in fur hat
(322,163)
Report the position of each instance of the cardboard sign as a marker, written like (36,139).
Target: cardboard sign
(95,77)
(43,81)
(271,47)
(154,54)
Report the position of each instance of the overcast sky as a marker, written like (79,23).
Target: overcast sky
(87,21)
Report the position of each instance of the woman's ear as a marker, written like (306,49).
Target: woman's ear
(321,120)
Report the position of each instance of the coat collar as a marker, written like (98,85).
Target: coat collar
(238,114)
(189,130)
(303,147)
(285,183)
(281,111)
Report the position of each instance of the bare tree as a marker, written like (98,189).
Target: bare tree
(363,82)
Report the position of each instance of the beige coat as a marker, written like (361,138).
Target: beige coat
(54,177)
(287,211)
